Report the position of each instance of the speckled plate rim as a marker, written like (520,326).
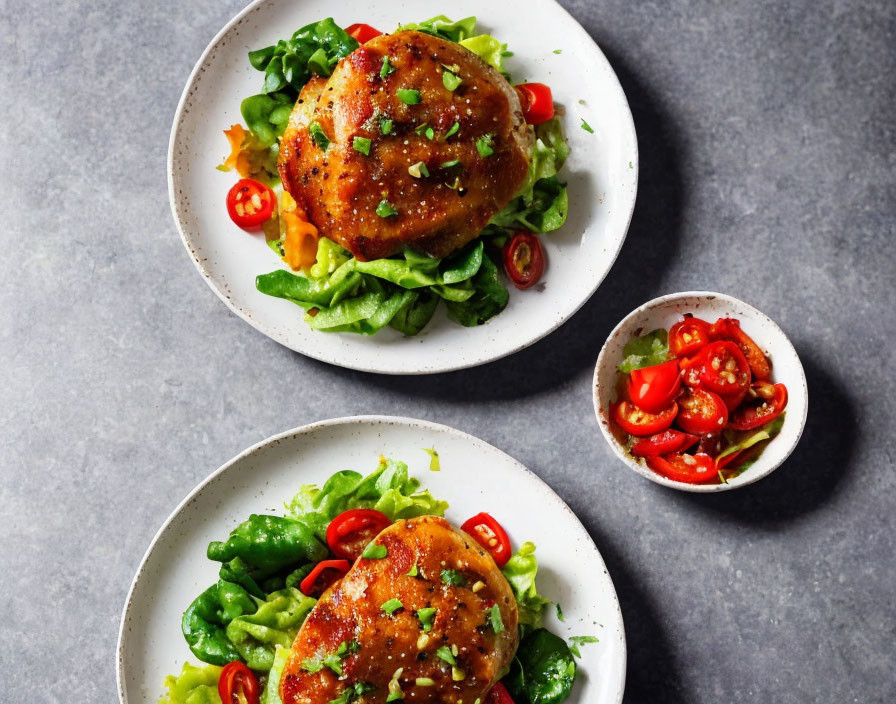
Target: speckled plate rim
(547,493)
(769,460)
(484,356)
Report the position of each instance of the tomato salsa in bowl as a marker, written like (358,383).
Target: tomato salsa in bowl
(701,392)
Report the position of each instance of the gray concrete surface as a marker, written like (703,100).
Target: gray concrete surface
(767,143)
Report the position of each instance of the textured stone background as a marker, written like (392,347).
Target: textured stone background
(768,162)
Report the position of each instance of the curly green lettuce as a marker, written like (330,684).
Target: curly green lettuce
(520,571)
(194,685)
(389,489)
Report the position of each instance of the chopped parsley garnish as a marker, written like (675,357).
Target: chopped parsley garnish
(334,662)
(374,551)
(426,616)
(558,51)
(586,126)
(484,145)
(385,209)
(386,125)
(318,135)
(434,465)
(445,654)
(580,640)
(494,615)
(418,170)
(313,665)
(447,165)
(559,611)
(450,80)
(413,571)
(387,67)
(455,128)
(409,96)
(453,578)
(391,606)
(362,145)
(349,694)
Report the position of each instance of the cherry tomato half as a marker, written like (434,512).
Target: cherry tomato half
(350,532)
(725,370)
(729,329)
(688,336)
(691,469)
(250,203)
(490,535)
(524,260)
(498,695)
(322,576)
(362,32)
(238,684)
(536,101)
(663,443)
(653,388)
(748,417)
(640,423)
(702,412)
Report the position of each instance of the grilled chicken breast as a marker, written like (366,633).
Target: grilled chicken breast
(340,186)
(381,648)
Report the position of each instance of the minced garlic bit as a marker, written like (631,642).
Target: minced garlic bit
(478,586)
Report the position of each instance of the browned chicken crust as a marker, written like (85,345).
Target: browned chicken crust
(340,187)
(396,647)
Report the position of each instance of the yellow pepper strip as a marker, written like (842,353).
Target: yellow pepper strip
(238,158)
(299,239)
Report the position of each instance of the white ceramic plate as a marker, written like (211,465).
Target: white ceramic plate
(602,173)
(665,311)
(474,477)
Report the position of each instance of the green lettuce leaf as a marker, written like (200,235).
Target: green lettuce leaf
(542,203)
(520,571)
(271,693)
(645,351)
(543,670)
(487,48)
(313,49)
(489,298)
(266,116)
(388,489)
(415,314)
(442,26)
(194,685)
(205,620)
(275,623)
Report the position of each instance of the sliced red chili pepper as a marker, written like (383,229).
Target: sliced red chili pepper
(536,101)
(688,336)
(729,329)
(363,33)
(498,695)
(524,260)
(654,388)
(640,423)
(237,684)
(725,370)
(322,576)
(752,416)
(490,535)
(663,443)
(691,469)
(350,532)
(250,203)
(702,412)
(728,459)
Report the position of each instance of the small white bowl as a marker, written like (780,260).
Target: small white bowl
(665,311)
